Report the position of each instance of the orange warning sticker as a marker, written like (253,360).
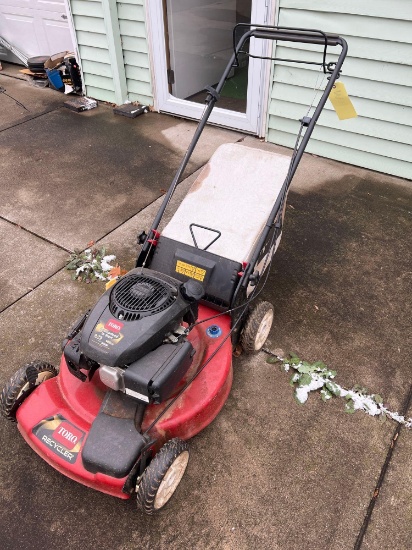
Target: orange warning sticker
(191,271)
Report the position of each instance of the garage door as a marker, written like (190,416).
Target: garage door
(36,27)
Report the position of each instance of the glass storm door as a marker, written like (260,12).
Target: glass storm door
(191,43)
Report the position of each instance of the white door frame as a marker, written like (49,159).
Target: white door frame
(254,120)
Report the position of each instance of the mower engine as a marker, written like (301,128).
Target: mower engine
(134,336)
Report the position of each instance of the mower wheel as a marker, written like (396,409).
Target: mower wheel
(161,478)
(257,328)
(20,386)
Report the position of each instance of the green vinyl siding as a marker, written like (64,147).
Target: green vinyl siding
(377,74)
(97,59)
(135,50)
(385,9)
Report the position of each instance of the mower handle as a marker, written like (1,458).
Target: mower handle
(307,38)
(286,34)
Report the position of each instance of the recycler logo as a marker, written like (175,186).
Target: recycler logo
(61,436)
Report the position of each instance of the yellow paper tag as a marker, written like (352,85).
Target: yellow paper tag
(341,102)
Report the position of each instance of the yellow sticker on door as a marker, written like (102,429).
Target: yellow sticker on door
(191,271)
(341,102)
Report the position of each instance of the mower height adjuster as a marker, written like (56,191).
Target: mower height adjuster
(212,94)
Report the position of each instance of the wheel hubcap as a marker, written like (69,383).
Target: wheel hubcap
(171,480)
(263,330)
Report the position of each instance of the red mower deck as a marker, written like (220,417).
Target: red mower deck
(56,418)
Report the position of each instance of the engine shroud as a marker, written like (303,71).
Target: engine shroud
(133,317)
(137,296)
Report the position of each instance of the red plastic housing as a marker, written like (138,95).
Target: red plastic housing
(56,418)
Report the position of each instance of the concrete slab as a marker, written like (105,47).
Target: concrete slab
(340,278)
(245,479)
(36,100)
(42,319)
(285,476)
(351,464)
(12,69)
(122,241)
(72,178)
(394,502)
(26,262)
(249,470)
(267,471)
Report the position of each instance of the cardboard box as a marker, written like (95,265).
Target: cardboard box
(56,60)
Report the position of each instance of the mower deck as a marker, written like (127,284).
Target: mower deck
(55,420)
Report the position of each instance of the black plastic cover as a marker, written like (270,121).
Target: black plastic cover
(155,376)
(219,276)
(111,341)
(113,444)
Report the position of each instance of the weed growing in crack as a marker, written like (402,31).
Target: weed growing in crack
(91,265)
(309,377)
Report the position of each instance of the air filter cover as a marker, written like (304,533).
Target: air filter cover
(138,295)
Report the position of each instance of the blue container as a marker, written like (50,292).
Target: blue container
(55,79)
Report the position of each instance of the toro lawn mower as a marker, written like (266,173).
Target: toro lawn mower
(150,365)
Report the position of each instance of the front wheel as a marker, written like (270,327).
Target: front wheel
(257,328)
(21,385)
(161,478)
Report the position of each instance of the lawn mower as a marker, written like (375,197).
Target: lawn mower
(150,365)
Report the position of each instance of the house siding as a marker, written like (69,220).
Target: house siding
(91,33)
(135,50)
(377,74)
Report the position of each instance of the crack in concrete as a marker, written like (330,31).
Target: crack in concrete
(382,475)
(32,289)
(35,234)
(29,118)
(11,75)
(68,250)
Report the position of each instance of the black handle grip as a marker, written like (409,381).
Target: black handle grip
(331,39)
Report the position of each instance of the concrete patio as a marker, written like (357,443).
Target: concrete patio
(267,472)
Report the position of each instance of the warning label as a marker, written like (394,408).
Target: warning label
(190,271)
(107,335)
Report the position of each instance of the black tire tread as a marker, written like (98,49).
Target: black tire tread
(13,387)
(251,326)
(153,475)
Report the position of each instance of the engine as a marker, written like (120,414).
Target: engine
(134,336)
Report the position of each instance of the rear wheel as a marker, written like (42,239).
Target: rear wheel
(21,385)
(161,478)
(257,328)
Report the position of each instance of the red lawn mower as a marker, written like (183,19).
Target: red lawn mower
(150,365)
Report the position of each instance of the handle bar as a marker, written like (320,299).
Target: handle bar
(286,34)
(329,39)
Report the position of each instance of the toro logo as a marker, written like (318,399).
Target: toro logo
(113,325)
(67,435)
